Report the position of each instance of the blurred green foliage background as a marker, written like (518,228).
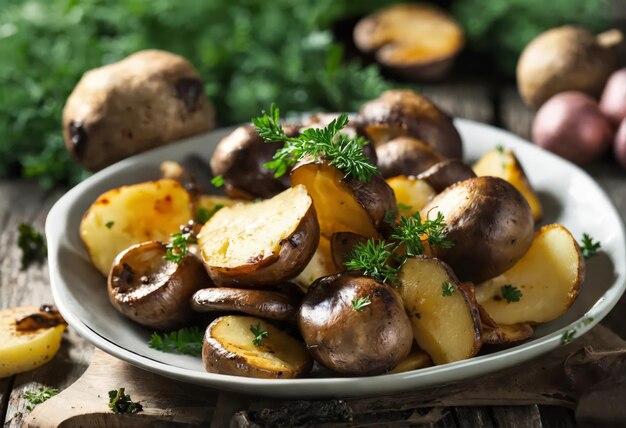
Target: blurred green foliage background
(249,52)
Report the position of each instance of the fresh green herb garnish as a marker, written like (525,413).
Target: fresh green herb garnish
(360,302)
(412,231)
(588,247)
(217,181)
(500,148)
(203,215)
(259,334)
(121,403)
(32,244)
(37,397)
(178,248)
(404,207)
(372,258)
(327,143)
(109,224)
(447,289)
(510,293)
(569,335)
(186,341)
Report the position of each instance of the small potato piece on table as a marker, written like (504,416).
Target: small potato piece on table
(229,348)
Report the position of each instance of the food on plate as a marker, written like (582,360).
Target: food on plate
(443,313)
(613,100)
(571,125)
(502,334)
(342,244)
(153,290)
(541,285)
(252,347)
(489,222)
(417,41)
(355,325)
(417,359)
(261,303)
(405,156)
(146,100)
(412,194)
(239,159)
(253,245)
(133,214)
(446,173)
(321,264)
(210,204)
(345,204)
(24,350)
(503,163)
(564,59)
(619,146)
(402,112)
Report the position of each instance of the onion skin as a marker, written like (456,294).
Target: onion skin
(613,100)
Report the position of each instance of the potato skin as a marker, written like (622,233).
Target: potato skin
(405,156)
(490,224)
(146,100)
(357,343)
(399,112)
(342,244)
(446,173)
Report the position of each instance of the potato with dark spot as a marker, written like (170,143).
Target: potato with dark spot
(149,99)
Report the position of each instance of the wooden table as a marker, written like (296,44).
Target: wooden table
(22,201)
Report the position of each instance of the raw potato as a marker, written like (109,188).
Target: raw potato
(228,348)
(344,204)
(402,112)
(405,156)
(412,194)
(446,173)
(489,222)
(149,99)
(448,328)
(23,351)
(504,164)
(321,264)
(613,100)
(418,41)
(563,59)
(417,359)
(129,215)
(253,245)
(549,276)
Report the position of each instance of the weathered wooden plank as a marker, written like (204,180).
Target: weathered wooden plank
(477,417)
(470,100)
(513,114)
(516,416)
(556,417)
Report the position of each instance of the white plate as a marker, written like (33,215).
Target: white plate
(568,194)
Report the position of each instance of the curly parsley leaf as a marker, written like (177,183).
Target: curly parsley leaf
(373,258)
(32,244)
(412,232)
(588,247)
(186,341)
(178,247)
(121,403)
(447,289)
(511,293)
(259,334)
(39,396)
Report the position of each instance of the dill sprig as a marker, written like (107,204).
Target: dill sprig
(360,302)
(412,232)
(328,144)
(186,341)
(372,258)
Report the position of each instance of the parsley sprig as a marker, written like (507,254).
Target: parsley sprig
(373,259)
(178,247)
(39,396)
(339,150)
(447,289)
(511,293)
(32,244)
(121,403)
(360,302)
(588,247)
(187,341)
(259,334)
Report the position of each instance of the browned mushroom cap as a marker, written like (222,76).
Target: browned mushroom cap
(406,156)
(261,303)
(446,173)
(152,291)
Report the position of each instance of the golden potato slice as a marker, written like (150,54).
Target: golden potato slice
(344,204)
(417,359)
(504,164)
(229,348)
(411,193)
(321,264)
(504,334)
(23,351)
(548,276)
(251,245)
(133,214)
(443,314)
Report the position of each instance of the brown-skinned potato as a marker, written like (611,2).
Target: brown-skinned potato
(341,246)
(446,173)
(401,112)
(152,291)
(240,158)
(261,303)
(502,334)
(489,222)
(406,156)
(229,348)
(345,204)
(357,342)
(261,244)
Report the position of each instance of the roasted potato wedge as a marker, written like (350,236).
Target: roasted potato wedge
(344,204)
(412,194)
(446,173)
(405,156)
(505,334)
(21,351)
(549,277)
(402,112)
(504,164)
(133,214)
(321,264)
(488,221)
(260,303)
(349,338)
(254,245)
(443,313)
(341,246)
(417,359)
(153,291)
(229,348)
(415,41)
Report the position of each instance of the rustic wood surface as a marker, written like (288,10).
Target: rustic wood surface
(22,201)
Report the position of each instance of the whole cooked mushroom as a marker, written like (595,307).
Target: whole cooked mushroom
(406,156)
(153,291)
